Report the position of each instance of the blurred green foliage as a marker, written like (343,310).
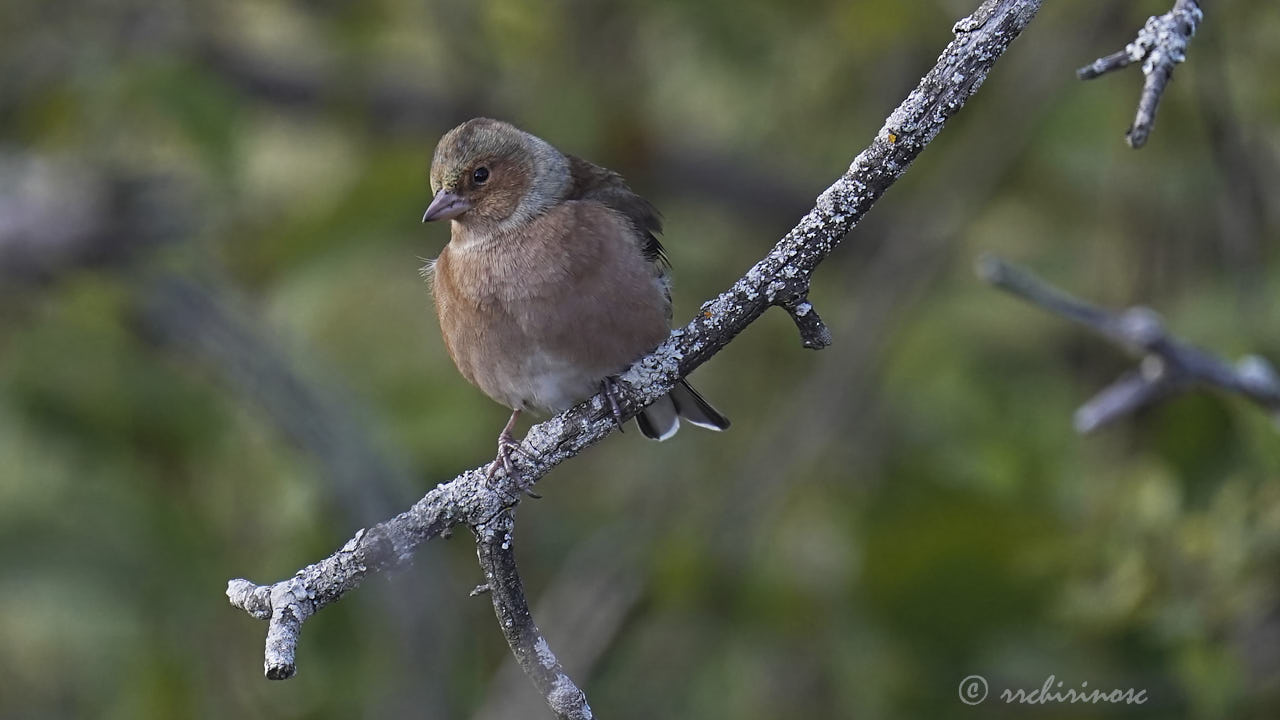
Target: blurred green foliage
(886,517)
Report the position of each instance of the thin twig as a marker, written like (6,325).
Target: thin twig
(496,550)
(1168,366)
(1160,45)
(780,278)
(814,333)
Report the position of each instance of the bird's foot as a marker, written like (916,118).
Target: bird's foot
(507,449)
(609,386)
(507,446)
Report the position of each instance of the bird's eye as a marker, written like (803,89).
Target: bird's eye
(480,175)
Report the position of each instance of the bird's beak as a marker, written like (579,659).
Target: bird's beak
(445,206)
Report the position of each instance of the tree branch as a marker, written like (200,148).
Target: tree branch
(496,550)
(814,333)
(1160,44)
(781,278)
(1168,366)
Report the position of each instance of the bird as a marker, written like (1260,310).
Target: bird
(553,280)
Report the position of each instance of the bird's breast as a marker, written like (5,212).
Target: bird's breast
(538,321)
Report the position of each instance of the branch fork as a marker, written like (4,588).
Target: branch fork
(1160,45)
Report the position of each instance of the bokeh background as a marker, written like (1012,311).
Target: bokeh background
(217,359)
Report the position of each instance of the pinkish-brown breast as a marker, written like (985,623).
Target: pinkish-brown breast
(537,318)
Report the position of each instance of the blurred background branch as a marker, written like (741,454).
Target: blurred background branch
(1169,365)
(58,215)
(200,321)
(394,106)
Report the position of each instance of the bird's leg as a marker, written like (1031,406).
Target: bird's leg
(609,386)
(507,445)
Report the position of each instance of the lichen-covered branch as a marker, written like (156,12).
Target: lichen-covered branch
(496,550)
(781,278)
(1168,365)
(1160,45)
(814,333)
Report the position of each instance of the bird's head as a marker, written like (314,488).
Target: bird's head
(487,173)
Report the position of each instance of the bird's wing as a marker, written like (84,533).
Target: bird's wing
(592,182)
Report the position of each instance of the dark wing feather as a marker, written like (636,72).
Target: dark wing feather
(592,182)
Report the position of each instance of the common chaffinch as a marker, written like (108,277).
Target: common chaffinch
(553,280)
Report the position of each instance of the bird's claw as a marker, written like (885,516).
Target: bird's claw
(609,387)
(507,446)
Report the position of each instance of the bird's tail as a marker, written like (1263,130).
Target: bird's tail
(661,419)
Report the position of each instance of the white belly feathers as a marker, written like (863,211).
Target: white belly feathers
(547,384)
